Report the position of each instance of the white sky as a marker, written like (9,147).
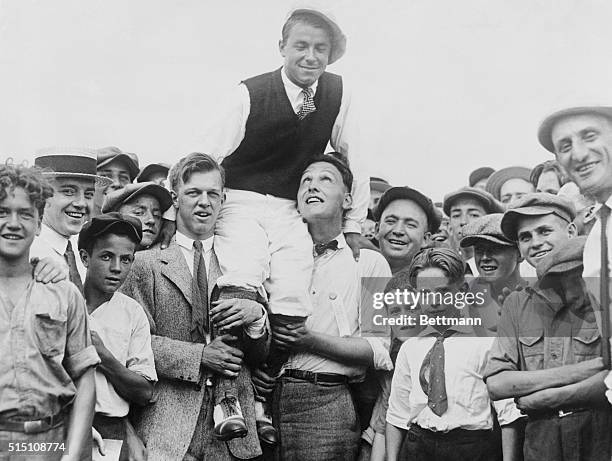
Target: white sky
(444,86)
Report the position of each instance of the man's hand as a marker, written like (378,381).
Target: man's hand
(49,270)
(235,312)
(101,349)
(546,399)
(221,358)
(356,242)
(167,232)
(295,337)
(263,382)
(98,441)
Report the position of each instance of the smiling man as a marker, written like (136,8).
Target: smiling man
(72,174)
(539,223)
(405,221)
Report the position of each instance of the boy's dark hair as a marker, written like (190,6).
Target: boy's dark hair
(548,165)
(310,20)
(341,164)
(193,163)
(445,259)
(29,179)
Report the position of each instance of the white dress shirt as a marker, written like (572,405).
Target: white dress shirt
(592,247)
(257,328)
(469,406)
(124,329)
(225,135)
(336,292)
(51,244)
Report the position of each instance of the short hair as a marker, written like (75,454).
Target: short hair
(340,162)
(309,19)
(445,259)
(548,165)
(29,179)
(115,229)
(193,163)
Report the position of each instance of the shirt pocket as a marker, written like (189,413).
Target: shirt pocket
(532,347)
(586,345)
(50,331)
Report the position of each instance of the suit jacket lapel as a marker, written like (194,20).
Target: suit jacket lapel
(175,269)
(213,272)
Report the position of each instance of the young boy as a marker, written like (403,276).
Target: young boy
(47,363)
(119,326)
(438,398)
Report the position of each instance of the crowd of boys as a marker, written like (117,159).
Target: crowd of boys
(218,308)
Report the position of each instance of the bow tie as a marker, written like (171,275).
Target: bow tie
(321,247)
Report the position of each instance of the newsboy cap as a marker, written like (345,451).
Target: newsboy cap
(488,202)
(114,200)
(536,204)
(406,193)
(109,154)
(479,174)
(98,225)
(486,228)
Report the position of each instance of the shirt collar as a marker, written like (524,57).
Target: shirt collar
(55,240)
(185,242)
(431,331)
(594,212)
(293,91)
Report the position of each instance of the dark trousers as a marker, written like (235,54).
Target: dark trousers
(580,436)
(54,435)
(456,445)
(315,422)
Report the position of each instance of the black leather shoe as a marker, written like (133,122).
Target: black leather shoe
(229,422)
(266,433)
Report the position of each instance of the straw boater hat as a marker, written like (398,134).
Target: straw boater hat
(338,38)
(70,162)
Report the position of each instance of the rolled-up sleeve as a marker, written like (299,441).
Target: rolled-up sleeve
(80,354)
(507,412)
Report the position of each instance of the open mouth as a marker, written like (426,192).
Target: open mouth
(148,231)
(540,254)
(12,237)
(75,214)
(311,200)
(586,168)
(397,242)
(487,268)
(202,214)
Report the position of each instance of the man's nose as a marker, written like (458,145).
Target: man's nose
(580,151)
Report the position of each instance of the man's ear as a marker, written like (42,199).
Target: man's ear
(572,230)
(84,258)
(376,230)
(174,199)
(281,47)
(426,238)
(347,203)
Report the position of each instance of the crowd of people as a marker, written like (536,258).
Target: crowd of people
(220,308)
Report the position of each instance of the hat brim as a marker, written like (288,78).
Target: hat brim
(338,40)
(157,191)
(132,167)
(499,178)
(509,221)
(99,181)
(398,193)
(474,239)
(149,170)
(547,125)
(488,201)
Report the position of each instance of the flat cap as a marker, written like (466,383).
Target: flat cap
(498,179)
(114,200)
(100,224)
(109,154)
(406,193)
(152,169)
(536,204)
(479,174)
(487,200)
(487,228)
(547,125)
(379,184)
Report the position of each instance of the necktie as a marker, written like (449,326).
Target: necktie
(320,248)
(308,106)
(432,377)
(73,272)
(604,277)
(199,289)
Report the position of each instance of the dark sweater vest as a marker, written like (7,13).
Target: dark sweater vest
(277,144)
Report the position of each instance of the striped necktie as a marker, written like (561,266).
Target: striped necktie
(73,272)
(199,292)
(308,105)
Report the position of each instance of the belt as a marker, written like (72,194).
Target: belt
(32,427)
(457,433)
(559,413)
(316,378)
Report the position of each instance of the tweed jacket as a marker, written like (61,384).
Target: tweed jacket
(161,282)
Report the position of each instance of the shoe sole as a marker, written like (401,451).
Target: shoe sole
(238,434)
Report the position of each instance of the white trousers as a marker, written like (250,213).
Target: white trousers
(262,243)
